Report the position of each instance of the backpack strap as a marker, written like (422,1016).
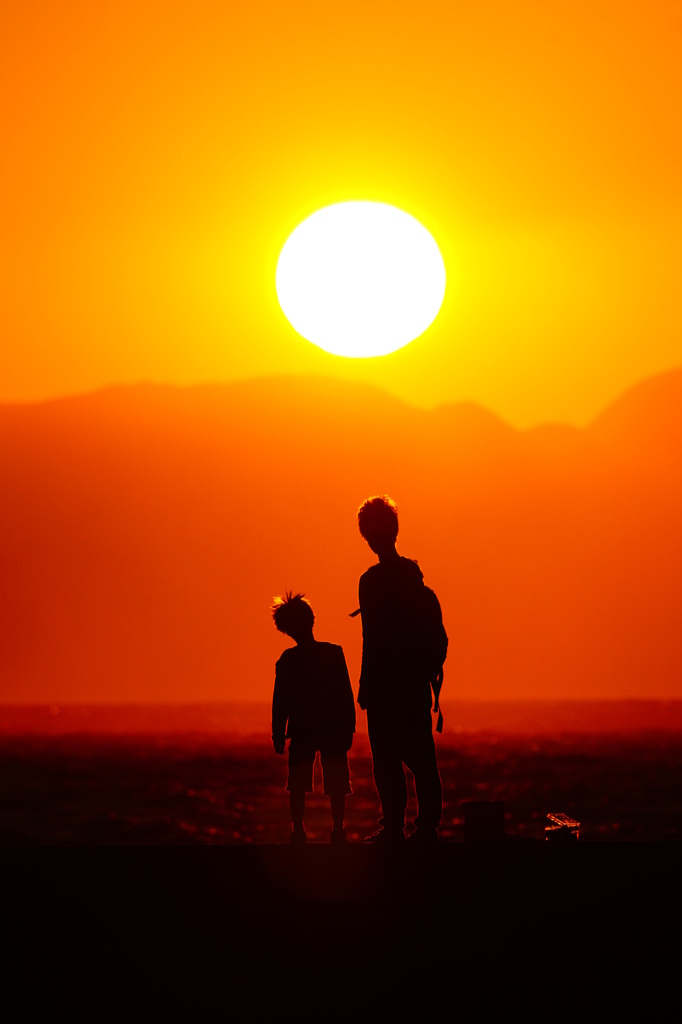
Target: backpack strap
(437,684)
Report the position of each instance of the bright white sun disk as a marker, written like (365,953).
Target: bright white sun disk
(360,279)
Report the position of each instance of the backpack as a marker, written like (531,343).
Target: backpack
(429,641)
(432,643)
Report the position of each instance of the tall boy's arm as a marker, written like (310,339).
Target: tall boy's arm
(280,709)
(366,644)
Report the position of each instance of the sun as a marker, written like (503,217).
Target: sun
(360,279)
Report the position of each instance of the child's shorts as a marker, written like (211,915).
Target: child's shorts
(335,770)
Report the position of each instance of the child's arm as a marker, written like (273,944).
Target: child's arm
(347,701)
(280,709)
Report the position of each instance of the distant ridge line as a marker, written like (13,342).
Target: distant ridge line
(645,392)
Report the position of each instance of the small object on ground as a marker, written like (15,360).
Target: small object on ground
(561,828)
(483,820)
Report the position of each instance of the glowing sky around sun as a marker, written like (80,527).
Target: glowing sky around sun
(157,156)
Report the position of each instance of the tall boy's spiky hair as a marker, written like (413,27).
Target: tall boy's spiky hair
(292,611)
(378,518)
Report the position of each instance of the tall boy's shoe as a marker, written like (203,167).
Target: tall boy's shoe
(298,837)
(423,837)
(386,837)
(338,836)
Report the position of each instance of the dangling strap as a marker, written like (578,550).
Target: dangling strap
(437,684)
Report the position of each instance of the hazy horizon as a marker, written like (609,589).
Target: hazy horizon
(234,720)
(255,378)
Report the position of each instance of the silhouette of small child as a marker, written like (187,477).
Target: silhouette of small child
(312,707)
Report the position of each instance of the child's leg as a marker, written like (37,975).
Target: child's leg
(336,785)
(297,804)
(300,780)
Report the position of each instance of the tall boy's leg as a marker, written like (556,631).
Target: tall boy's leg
(389,775)
(297,804)
(420,758)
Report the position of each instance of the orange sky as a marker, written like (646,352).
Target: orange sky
(157,155)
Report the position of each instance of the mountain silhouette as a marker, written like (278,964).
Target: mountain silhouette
(647,420)
(144,531)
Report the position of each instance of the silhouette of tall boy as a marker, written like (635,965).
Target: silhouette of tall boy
(313,707)
(395,688)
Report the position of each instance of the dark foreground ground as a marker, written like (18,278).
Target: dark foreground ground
(203,789)
(515,929)
(148,877)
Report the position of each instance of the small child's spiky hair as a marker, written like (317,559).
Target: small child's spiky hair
(291,611)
